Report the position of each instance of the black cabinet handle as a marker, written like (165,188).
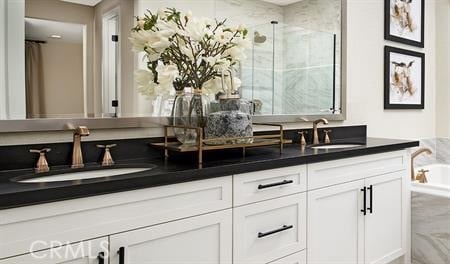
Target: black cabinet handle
(284,228)
(370,208)
(121,253)
(364,200)
(101,258)
(264,186)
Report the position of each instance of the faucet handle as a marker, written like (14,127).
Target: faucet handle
(302,137)
(422,176)
(44,150)
(42,164)
(327,136)
(107,158)
(106,146)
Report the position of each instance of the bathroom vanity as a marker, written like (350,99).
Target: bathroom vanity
(311,206)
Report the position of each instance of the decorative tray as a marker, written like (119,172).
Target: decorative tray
(260,140)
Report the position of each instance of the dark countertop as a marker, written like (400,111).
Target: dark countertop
(179,169)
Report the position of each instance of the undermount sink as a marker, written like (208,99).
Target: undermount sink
(336,146)
(82,175)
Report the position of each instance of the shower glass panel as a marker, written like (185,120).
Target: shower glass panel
(291,70)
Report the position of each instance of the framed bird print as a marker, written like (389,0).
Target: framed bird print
(404,21)
(404,79)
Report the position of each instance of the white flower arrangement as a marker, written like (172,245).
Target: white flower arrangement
(185,51)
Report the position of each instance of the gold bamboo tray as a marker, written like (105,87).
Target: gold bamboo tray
(202,143)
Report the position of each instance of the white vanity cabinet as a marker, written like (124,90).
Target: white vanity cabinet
(201,239)
(363,220)
(351,211)
(87,252)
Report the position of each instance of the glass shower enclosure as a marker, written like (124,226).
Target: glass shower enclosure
(292,70)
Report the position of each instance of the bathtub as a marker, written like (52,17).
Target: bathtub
(438,181)
(430,217)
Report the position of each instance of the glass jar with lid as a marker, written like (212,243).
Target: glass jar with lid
(231,121)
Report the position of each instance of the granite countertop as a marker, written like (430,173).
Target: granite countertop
(178,170)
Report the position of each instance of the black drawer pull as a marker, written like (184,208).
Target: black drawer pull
(101,258)
(284,228)
(264,186)
(364,211)
(370,208)
(121,253)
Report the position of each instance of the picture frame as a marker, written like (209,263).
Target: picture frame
(404,79)
(404,22)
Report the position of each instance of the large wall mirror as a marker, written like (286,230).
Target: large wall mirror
(72,59)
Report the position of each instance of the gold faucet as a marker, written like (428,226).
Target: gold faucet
(414,156)
(77,155)
(316,133)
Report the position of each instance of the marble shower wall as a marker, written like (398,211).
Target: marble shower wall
(440,148)
(297,61)
(309,56)
(308,71)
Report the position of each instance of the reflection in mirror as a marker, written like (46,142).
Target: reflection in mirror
(54,70)
(79,60)
(291,70)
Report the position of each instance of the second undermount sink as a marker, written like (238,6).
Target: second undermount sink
(82,175)
(336,146)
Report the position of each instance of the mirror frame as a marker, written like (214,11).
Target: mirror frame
(50,124)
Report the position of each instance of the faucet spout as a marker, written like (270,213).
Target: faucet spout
(315,132)
(414,156)
(77,155)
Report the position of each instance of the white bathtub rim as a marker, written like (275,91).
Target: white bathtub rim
(429,188)
(426,190)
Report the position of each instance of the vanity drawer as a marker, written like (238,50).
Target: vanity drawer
(268,184)
(297,258)
(269,230)
(334,172)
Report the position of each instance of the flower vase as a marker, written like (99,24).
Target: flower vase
(199,109)
(180,118)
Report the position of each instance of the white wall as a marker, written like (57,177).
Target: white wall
(365,58)
(443,69)
(62,95)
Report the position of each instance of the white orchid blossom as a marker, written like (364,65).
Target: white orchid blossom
(214,86)
(185,51)
(145,83)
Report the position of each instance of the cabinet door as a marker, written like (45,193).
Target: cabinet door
(385,224)
(86,252)
(336,224)
(205,239)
